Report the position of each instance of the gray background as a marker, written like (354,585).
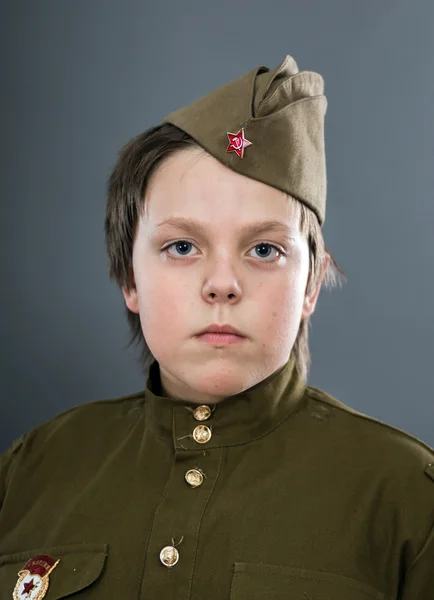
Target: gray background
(80,78)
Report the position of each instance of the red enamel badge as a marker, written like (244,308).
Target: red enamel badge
(237,143)
(33,580)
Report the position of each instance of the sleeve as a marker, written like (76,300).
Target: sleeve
(419,579)
(6,465)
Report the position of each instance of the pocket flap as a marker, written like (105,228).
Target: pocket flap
(79,566)
(274,582)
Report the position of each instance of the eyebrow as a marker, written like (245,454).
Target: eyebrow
(193,225)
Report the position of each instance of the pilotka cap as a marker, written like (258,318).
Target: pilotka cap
(267,125)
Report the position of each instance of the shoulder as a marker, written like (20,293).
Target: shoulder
(389,470)
(78,429)
(373,442)
(95,416)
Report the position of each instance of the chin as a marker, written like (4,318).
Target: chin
(219,382)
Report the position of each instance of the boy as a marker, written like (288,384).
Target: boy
(228,477)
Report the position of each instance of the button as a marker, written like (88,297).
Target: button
(194,478)
(202,434)
(202,413)
(169,556)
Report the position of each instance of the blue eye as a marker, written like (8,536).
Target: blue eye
(183,246)
(265,245)
(180,245)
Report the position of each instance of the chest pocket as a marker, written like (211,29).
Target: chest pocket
(272,582)
(79,567)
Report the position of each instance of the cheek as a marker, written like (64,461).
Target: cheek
(282,306)
(164,304)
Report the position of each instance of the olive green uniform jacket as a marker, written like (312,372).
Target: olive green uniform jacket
(302,498)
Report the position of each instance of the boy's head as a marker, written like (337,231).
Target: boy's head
(179,278)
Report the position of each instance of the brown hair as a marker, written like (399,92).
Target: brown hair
(137,161)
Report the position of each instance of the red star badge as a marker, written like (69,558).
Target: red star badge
(237,143)
(33,579)
(28,587)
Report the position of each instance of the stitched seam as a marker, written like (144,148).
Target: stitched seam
(312,393)
(11,467)
(320,580)
(285,83)
(54,420)
(288,107)
(163,496)
(201,519)
(422,548)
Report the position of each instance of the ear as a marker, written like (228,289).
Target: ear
(310,300)
(131,297)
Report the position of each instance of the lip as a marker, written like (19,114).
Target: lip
(220,339)
(220,329)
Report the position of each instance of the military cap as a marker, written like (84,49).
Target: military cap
(267,125)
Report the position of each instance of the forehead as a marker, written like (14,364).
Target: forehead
(193,184)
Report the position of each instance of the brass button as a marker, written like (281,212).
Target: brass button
(202,413)
(202,434)
(169,556)
(194,478)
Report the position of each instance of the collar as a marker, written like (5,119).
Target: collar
(237,419)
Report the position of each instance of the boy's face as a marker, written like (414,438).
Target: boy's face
(220,275)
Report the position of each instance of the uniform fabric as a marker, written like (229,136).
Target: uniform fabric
(282,112)
(303,499)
